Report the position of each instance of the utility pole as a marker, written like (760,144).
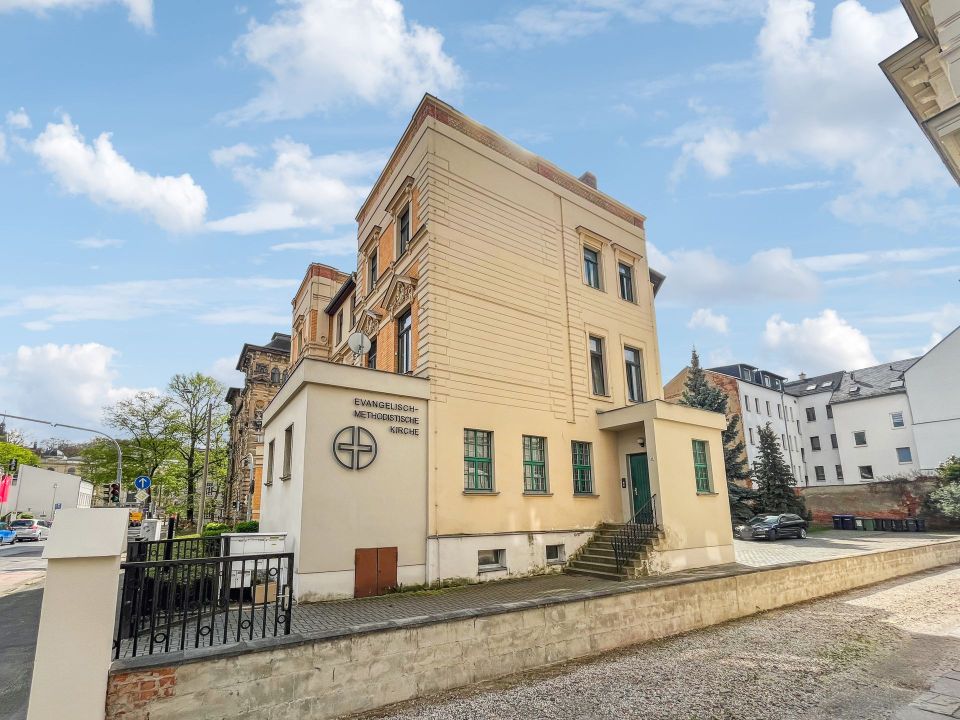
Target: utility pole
(206,467)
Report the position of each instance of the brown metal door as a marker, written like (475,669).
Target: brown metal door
(365,572)
(386,569)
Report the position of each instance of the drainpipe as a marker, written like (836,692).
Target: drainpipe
(786,428)
(248,496)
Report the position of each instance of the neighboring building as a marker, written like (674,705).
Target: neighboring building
(42,493)
(821,446)
(265,369)
(511,399)
(757,396)
(59,462)
(933,389)
(926,75)
(862,423)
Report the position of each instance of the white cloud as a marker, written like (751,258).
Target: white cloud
(706,318)
(301,190)
(700,276)
(18,120)
(789,187)
(346,245)
(820,344)
(844,261)
(137,299)
(322,53)
(227,156)
(3,147)
(140,12)
(569,19)
(828,105)
(98,171)
(92,243)
(66,383)
(225,370)
(941,320)
(245,315)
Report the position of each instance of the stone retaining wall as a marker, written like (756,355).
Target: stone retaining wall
(888,498)
(331,676)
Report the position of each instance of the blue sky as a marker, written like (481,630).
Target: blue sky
(168,169)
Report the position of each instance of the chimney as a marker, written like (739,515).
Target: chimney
(588,178)
(803,376)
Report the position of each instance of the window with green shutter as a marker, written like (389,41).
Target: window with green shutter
(478,460)
(534,464)
(700,467)
(582,468)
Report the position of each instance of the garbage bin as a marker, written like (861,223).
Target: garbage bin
(847,522)
(838,522)
(921,524)
(911,524)
(869,524)
(858,523)
(899,525)
(885,524)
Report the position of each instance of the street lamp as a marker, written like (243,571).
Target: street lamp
(53,503)
(77,427)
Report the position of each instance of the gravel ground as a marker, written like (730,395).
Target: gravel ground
(862,654)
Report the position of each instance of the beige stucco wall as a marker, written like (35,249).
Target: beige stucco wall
(340,509)
(332,677)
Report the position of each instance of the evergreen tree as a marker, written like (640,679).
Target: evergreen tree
(699,393)
(775,481)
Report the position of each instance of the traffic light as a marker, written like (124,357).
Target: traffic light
(115,493)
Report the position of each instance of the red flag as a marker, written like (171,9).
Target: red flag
(5,482)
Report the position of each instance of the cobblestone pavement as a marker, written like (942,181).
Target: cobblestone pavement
(826,545)
(880,652)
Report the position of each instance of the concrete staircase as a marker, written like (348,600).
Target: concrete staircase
(596,557)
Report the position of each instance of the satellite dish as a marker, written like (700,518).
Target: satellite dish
(359,343)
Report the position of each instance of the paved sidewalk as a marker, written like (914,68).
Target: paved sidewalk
(941,701)
(21,566)
(829,544)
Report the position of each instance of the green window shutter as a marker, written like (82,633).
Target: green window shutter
(582,468)
(700,468)
(478,460)
(534,464)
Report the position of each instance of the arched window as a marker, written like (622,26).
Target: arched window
(275,375)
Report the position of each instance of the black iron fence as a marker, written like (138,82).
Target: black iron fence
(635,534)
(177,604)
(176,549)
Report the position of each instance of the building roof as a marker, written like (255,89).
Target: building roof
(885,379)
(734,371)
(814,385)
(342,294)
(279,345)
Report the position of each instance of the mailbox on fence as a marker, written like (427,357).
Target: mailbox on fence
(242,574)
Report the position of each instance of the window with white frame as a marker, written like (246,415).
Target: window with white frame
(598,376)
(896,419)
(860,438)
(625,276)
(591,267)
(631,359)
(488,560)
(904,456)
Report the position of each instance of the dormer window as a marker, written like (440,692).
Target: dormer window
(855,390)
(896,383)
(403,230)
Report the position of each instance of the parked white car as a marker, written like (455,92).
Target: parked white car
(29,530)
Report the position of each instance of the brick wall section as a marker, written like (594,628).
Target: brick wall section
(331,677)
(896,499)
(129,695)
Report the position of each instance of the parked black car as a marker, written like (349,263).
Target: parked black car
(772,527)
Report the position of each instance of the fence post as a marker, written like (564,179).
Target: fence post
(74,643)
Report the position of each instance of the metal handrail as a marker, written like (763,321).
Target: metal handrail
(634,533)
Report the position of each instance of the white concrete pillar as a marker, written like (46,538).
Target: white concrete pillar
(77,617)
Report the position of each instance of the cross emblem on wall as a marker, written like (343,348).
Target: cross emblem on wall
(355,448)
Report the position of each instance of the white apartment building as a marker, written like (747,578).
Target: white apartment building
(933,390)
(762,400)
(858,424)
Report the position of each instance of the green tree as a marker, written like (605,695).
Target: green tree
(946,498)
(190,396)
(99,463)
(10,451)
(698,392)
(775,481)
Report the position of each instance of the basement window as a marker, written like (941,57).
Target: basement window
(491,560)
(556,554)
(866,472)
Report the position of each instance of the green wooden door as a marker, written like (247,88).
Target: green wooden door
(639,481)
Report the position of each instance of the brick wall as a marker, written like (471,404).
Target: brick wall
(894,498)
(330,677)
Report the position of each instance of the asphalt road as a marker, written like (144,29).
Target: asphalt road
(19,621)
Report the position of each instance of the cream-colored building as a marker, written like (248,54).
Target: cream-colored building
(926,75)
(511,401)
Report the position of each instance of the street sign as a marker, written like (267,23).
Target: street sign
(142,482)
(58,506)
(141,495)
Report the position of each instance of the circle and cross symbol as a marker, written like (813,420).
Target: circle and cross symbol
(355,448)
